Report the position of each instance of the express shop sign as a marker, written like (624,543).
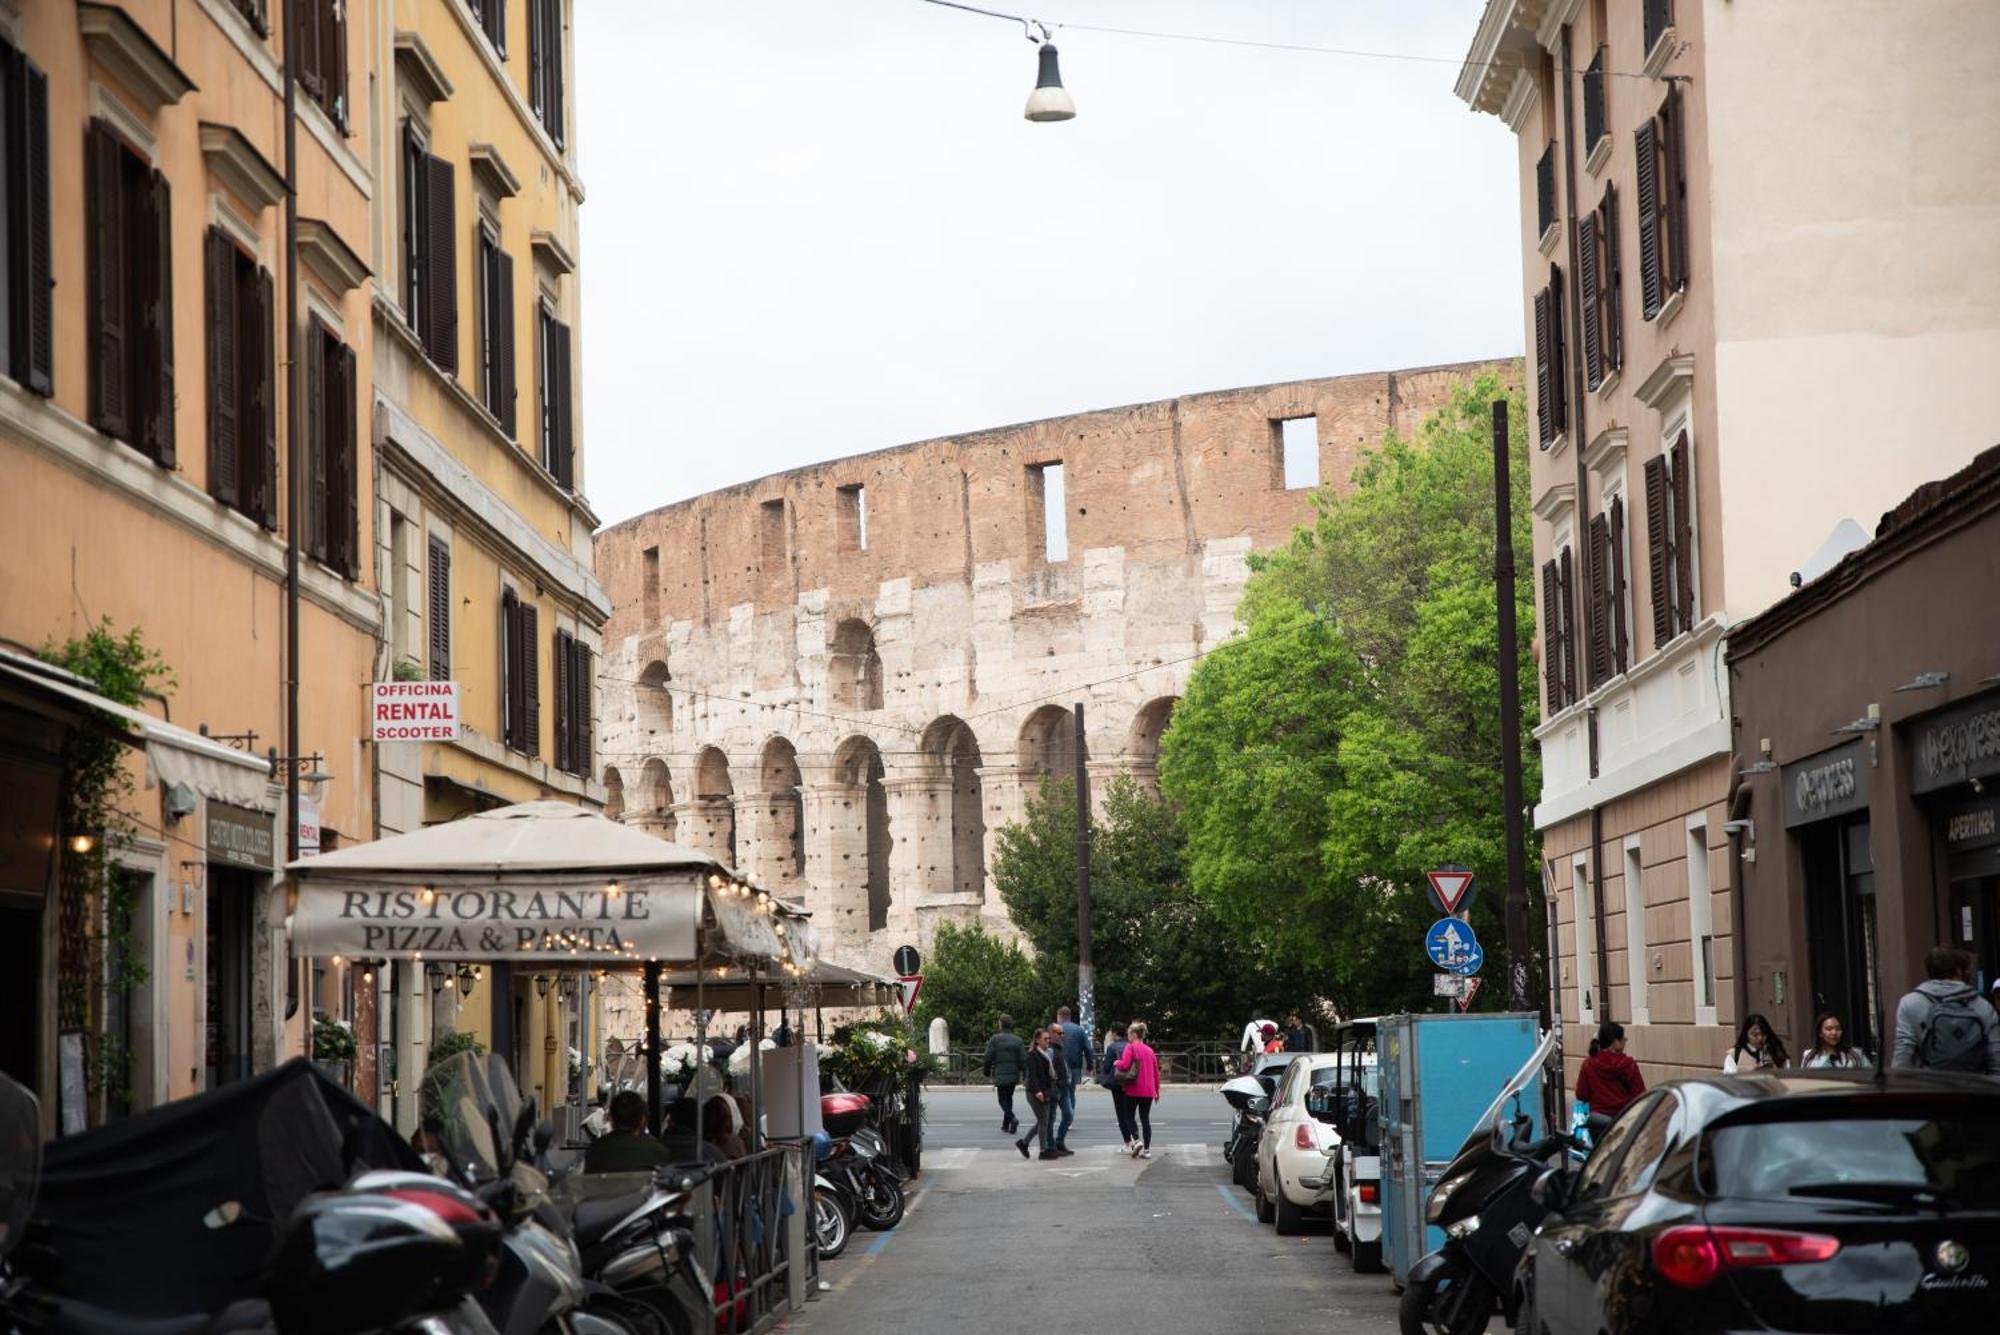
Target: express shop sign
(414,711)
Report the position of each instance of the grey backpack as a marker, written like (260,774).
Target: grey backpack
(1953,1036)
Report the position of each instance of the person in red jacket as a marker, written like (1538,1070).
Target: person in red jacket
(1610,1080)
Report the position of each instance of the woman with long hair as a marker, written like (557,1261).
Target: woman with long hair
(1757,1048)
(1830,1049)
(1142,1086)
(1610,1080)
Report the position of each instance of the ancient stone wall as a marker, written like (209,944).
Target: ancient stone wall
(846,678)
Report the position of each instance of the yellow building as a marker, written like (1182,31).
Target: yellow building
(143,447)
(480,524)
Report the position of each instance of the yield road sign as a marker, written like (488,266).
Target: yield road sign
(1452,945)
(1464,1000)
(1451,888)
(912,983)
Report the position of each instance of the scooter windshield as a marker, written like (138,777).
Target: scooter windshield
(20,1159)
(478,1104)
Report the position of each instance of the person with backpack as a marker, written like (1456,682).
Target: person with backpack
(1943,1024)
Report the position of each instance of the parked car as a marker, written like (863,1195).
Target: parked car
(1830,1201)
(1292,1167)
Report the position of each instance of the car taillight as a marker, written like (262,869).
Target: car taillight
(447,1207)
(1692,1255)
(1303,1138)
(1370,1192)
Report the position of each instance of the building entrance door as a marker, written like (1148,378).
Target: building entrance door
(232,895)
(1840,927)
(1975,912)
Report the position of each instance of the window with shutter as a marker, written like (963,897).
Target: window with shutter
(1593,101)
(263,491)
(492,15)
(1586,277)
(564,719)
(316,477)
(28,328)
(346,440)
(225,445)
(1673,208)
(1566,589)
(1551,637)
(1600,600)
(1659,16)
(131,300)
(510,669)
(441,263)
(545,65)
(496,329)
(1659,544)
(1681,468)
(416,231)
(1620,644)
(1545,190)
(320,29)
(110,369)
(580,678)
(506,360)
(1610,278)
(531,680)
(1646,169)
(557,446)
(155,246)
(1546,371)
(438,609)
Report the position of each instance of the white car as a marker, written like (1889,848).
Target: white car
(1293,1170)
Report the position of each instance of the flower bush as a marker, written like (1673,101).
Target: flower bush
(333,1040)
(871,1052)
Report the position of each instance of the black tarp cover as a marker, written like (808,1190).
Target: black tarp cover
(124,1204)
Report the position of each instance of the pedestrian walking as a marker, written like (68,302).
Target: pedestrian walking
(1006,1055)
(1076,1057)
(1063,1110)
(1142,1087)
(1107,1075)
(1610,1080)
(1039,1075)
(1296,1039)
(1830,1049)
(1944,1024)
(1757,1048)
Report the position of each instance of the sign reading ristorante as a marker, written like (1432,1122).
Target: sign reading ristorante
(651,919)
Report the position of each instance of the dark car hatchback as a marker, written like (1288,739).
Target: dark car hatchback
(1826,1202)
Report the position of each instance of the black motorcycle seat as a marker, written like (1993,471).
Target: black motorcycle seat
(79,1318)
(594,1218)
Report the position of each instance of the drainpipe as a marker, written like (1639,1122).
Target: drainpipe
(291,677)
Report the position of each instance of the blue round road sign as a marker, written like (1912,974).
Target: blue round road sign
(1452,945)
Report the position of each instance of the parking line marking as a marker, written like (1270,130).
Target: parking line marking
(1229,1199)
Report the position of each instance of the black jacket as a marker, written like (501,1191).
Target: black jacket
(1040,1075)
(1005,1056)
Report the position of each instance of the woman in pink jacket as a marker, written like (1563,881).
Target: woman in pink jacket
(1142,1087)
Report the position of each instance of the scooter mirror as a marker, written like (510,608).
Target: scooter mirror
(1259,1105)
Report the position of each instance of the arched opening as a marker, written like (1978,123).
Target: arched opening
(858,764)
(1142,748)
(653,801)
(614,793)
(854,669)
(779,781)
(951,751)
(1048,745)
(714,797)
(655,701)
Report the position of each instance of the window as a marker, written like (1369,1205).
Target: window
(649,597)
(557,420)
(242,382)
(851,511)
(771,536)
(572,658)
(1048,514)
(131,298)
(27,334)
(1551,362)
(1701,921)
(321,26)
(1601,1170)
(1545,190)
(333,472)
(254,10)
(438,603)
(1645,1149)
(520,675)
(1608,641)
(1670,537)
(1638,974)
(1659,18)
(492,16)
(1661,162)
(1593,100)
(1601,274)
(545,64)
(1298,452)
(1559,631)
(496,328)
(430,250)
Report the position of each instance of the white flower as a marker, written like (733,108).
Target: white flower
(739,1060)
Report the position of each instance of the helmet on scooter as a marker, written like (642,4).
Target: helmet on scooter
(822,1146)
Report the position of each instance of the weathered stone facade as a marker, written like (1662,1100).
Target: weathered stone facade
(847,678)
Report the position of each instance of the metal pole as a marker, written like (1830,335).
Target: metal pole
(700,1031)
(1086,972)
(652,987)
(1516,916)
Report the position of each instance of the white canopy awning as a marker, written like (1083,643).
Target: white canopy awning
(538,881)
(173,754)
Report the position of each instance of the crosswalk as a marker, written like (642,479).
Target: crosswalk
(960,1158)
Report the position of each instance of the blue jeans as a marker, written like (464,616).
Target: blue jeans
(1066,1109)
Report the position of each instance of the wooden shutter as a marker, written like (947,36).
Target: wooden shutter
(333,57)
(1552,635)
(537,53)
(1600,600)
(1610,277)
(1559,350)
(438,609)
(30,265)
(563,701)
(579,678)
(110,374)
(503,338)
(1659,553)
(1620,635)
(1673,202)
(414,186)
(316,442)
(1566,588)
(552,71)
(309,32)
(565,413)
(441,262)
(1646,168)
(1586,275)
(262,502)
(224,360)
(347,441)
(531,680)
(1683,506)
(1545,373)
(510,667)
(157,320)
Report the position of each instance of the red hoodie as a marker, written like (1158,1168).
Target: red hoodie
(1609,1081)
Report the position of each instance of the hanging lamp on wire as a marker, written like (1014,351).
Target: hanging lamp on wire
(1050,101)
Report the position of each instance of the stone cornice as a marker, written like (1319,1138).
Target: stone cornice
(124,48)
(239,166)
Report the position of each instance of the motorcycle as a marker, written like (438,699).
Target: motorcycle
(859,1165)
(831,1222)
(1251,1100)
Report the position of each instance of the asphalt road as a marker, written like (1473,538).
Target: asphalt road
(1096,1242)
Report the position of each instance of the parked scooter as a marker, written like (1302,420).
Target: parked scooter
(1251,1100)
(860,1166)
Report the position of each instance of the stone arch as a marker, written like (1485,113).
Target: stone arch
(653,803)
(854,668)
(782,843)
(714,805)
(655,703)
(614,793)
(858,766)
(1047,747)
(951,756)
(1142,745)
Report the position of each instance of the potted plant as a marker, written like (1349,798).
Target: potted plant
(333,1047)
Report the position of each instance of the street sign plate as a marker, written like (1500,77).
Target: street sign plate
(1449,985)
(1450,889)
(908,961)
(913,983)
(1452,945)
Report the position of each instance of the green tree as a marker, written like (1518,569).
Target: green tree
(972,978)
(1367,682)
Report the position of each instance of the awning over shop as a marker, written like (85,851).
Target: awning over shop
(823,984)
(173,754)
(537,881)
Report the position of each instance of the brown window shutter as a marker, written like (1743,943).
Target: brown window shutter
(441,277)
(308,31)
(504,352)
(316,441)
(157,320)
(414,186)
(334,58)
(1545,373)
(531,680)
(537,52)
(1566,587)
(1586,275)
(579,677)
(1659,553)
(1620,635)
(1551,636)
(439,609)
(1646,169)
(565,410)
(110,374)
(1683,505)
(1600,600)
(346,421)
(510,667)
(31,271)
(1673,129)
(1559,351)
(562,701)
(263,488)
(224,442)
(552,72)
(1611,275)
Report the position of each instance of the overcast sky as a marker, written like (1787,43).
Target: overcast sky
(820,227)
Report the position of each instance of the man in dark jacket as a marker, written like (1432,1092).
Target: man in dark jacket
(1039,1075)
(1006,1055)
(1072,1045)
(1296,1037)
(626,1148)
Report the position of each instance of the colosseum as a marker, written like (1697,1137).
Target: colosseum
(846,679)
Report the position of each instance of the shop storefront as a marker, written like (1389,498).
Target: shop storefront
(242,854)
(1956,774)
(1826,815)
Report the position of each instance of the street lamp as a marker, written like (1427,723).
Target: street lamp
(1050,101)
(435,972)
(465,980)
(541,985)
(568,986)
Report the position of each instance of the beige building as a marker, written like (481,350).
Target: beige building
(845,679)
(1756,310)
